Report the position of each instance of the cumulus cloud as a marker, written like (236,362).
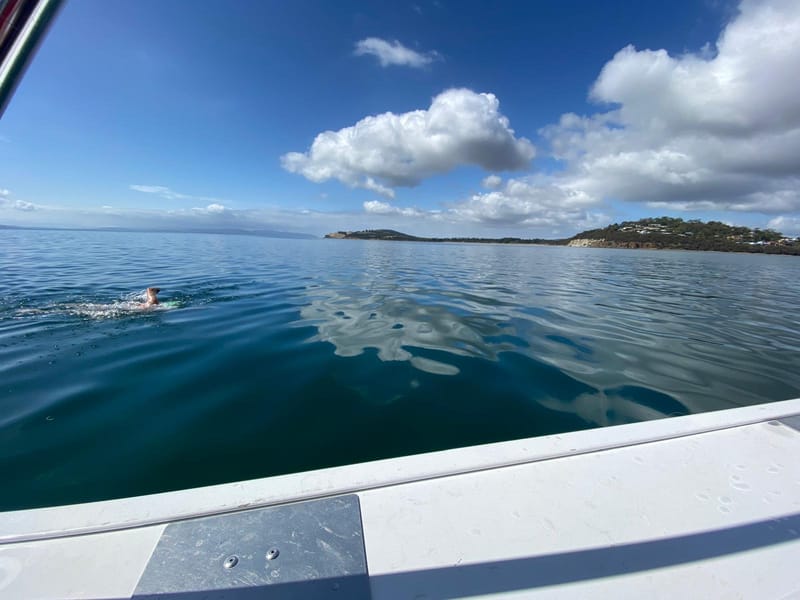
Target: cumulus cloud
(531,202)
(534,202)
(394,53)
(710,130)
(461,127)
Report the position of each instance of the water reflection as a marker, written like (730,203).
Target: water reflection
(395,326)
(620,405)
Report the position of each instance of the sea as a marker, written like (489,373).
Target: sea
(271,356)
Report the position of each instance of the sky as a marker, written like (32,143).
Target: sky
(432,117)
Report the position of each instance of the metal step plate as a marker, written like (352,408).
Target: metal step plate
(306,550)
(793,422)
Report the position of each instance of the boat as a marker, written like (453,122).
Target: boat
(704,506)
(701,506)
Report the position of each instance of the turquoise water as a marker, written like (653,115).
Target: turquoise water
(285,355)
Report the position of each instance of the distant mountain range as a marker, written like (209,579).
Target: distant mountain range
(652,233)
(254,232)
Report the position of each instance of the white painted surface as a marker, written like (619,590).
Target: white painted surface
(103,565)
(161,508)
(663,518)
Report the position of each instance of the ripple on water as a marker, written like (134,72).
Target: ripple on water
(343,352)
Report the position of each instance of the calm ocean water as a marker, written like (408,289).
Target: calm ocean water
(287,355)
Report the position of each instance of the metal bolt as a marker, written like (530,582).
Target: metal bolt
(273,554)
(231,562)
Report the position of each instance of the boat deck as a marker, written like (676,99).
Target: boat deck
(705,505)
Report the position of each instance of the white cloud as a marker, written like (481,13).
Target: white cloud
(167,193)
(377,207)
(151,189)
(532,201)
(786,225)
(394,53)
(381,152)
(520,204)
(22,205)
(705,131)
(212,209)
(370,184)
(8,203)
(492,182)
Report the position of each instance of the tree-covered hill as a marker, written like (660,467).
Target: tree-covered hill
(669,232)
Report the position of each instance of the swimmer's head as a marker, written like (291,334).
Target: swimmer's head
(152,295)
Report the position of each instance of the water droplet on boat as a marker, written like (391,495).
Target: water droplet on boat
(725,500)
(702,496)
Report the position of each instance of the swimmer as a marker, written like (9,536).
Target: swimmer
(152,296)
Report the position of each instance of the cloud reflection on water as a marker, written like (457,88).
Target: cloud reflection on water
(395,326)
(398,324)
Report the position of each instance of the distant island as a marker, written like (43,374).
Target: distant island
(396,236)
(660,233)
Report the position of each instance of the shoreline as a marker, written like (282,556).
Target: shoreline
(605,246)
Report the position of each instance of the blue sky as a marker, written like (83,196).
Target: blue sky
(537,119)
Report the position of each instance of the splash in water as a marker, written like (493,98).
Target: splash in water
(128,305)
